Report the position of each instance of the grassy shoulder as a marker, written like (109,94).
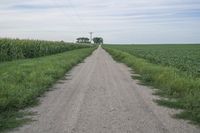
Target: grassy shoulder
(22,81)
(182,91)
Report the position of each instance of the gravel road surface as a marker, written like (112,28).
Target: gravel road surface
(99,96)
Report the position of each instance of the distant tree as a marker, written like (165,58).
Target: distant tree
(98,40)
(62,42)
(83,40)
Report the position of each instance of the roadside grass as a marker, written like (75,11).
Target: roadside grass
(22,81)
(182,91)
(13,119)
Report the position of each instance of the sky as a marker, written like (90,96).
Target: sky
(117,21)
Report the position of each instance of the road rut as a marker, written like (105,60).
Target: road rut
(99,96)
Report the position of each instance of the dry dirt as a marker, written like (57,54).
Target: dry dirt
(99,96)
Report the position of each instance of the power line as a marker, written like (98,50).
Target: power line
(75,12)
(80,21)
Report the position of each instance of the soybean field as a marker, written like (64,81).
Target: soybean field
(184,57)
(172,69)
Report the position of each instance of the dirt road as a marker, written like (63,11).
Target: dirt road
(99,96)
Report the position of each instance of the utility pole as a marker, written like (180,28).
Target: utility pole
(91,36)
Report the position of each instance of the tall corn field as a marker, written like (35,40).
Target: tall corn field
(11,49)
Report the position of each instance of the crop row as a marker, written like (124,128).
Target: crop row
(186,58)
(11,49)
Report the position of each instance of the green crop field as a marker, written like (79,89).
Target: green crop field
(184,57)
(23,80)
(173,69)
(11,49)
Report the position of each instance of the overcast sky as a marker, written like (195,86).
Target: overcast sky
(118,21)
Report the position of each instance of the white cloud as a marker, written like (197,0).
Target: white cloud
(135,21)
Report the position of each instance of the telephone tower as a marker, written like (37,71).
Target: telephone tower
(91,36)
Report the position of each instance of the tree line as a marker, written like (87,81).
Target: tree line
(96,40)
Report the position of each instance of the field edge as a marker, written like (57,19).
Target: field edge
(10,114)
(175,89)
